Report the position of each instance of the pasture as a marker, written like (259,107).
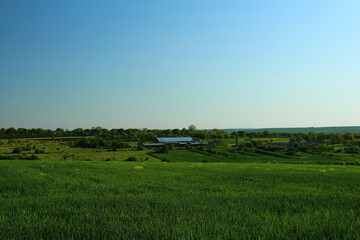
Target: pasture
(118,200)
(95,194)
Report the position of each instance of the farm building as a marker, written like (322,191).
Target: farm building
(173,140)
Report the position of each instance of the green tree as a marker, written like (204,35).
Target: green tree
(192,127)
(164,149)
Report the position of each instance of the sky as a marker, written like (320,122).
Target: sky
(168,64)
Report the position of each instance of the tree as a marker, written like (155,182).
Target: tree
(164,149)
(192,127)
(236,136)
(349,136)
(241,134)
(59,131)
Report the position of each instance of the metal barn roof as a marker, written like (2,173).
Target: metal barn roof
(175,139)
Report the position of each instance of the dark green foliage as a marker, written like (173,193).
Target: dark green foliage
(352,150)
(140,146)
(270,153)
(164,149)
(16,150)
(291,152)
(170,146)
(32,157)
(7,157)
(39,151)
(131,159)
(354,129)
(101,143)
(19,157)
(274,148)
(257,144)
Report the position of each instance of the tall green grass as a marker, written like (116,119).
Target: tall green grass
(117,200)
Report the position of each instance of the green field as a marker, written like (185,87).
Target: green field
(95,194)
(112,200)
(353,129)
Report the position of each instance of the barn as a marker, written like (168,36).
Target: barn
(174,140)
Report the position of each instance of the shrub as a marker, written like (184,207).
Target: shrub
(131,159)
(291,152)
(170,146)
(34,157)
(353,150)
(16,150)
(274,148)
(7,157)
(164,149)
(26,148)
(39,151)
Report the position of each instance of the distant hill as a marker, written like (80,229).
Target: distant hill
(353,129)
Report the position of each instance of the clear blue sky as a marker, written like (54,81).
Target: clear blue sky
(169,64)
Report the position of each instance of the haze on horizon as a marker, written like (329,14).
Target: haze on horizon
(169,64)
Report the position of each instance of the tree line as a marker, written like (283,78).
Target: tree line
(144,134)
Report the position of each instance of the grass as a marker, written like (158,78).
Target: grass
(54,150)
(232,141)
(118,200)
(225,155)
(74,193)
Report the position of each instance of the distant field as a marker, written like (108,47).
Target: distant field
(57,150)
(225,156)
(355,129)
(242,140)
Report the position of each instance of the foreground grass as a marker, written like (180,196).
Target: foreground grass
(117,200)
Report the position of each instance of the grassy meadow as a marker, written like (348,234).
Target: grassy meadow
(74,193)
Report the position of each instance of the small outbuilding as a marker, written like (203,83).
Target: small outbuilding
(174,140)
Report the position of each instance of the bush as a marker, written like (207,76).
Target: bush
(291,152)
(33,157)
(16,150)
(353,150)
(27,148)
(274,148)
(131,159)
(164,149)
(7,157)
(170,146)
(21,157)
(38,151)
